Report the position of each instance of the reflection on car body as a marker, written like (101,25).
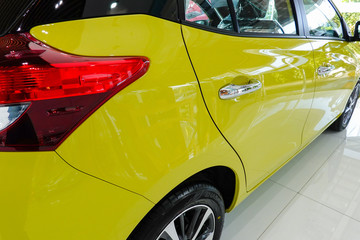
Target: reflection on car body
(138,120)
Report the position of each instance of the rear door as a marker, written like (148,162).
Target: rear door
(335,63)
(263,55)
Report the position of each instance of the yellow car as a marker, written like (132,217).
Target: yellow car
(147,120)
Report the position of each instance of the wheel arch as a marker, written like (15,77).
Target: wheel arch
(221,177)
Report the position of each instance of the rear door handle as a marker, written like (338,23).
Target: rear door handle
(325,69)
(232,90)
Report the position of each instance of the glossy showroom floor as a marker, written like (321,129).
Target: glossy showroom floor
(316,196)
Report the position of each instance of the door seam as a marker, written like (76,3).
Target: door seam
(207,109)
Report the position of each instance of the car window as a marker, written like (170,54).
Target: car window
(265,16)
(51,11)
(212,13)
(10,11)
(322,19)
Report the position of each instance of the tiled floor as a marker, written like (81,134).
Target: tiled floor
(316,196)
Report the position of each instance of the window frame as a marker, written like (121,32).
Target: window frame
(345,37)
(295,7)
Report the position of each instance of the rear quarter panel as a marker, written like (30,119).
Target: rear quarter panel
(44,198)
(155,133)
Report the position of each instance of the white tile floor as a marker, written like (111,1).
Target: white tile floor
(316,196)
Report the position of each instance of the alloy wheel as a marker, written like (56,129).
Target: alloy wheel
(195,223)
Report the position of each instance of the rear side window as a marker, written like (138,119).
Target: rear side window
(212,13)
(252,16)
(265,16)
(51,11)
(10,10)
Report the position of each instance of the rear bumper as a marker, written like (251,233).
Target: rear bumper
(42,197)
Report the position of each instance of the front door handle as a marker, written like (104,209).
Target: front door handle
(325,69)
(232,90)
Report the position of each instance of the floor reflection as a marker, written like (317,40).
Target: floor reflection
(315,196)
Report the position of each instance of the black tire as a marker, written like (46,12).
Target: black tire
(186,207)
(343,121)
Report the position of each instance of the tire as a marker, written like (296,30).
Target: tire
(179,215)
(343,121)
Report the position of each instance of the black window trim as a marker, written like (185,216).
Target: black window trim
(296,13)
(233,16)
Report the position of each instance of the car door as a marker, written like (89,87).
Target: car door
(335,62)
(264,57)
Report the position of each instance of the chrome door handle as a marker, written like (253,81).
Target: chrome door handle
(325,69)
(232,91)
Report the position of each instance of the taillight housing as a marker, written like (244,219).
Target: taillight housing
(45,93)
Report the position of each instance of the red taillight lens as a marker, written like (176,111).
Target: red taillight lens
(45,94)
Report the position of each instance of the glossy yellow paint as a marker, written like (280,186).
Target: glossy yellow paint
(155,133)
(332,89)
(265,127)
(51,200)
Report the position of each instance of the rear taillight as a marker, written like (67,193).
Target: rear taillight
(45,94)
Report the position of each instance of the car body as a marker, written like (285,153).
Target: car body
(211,100)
